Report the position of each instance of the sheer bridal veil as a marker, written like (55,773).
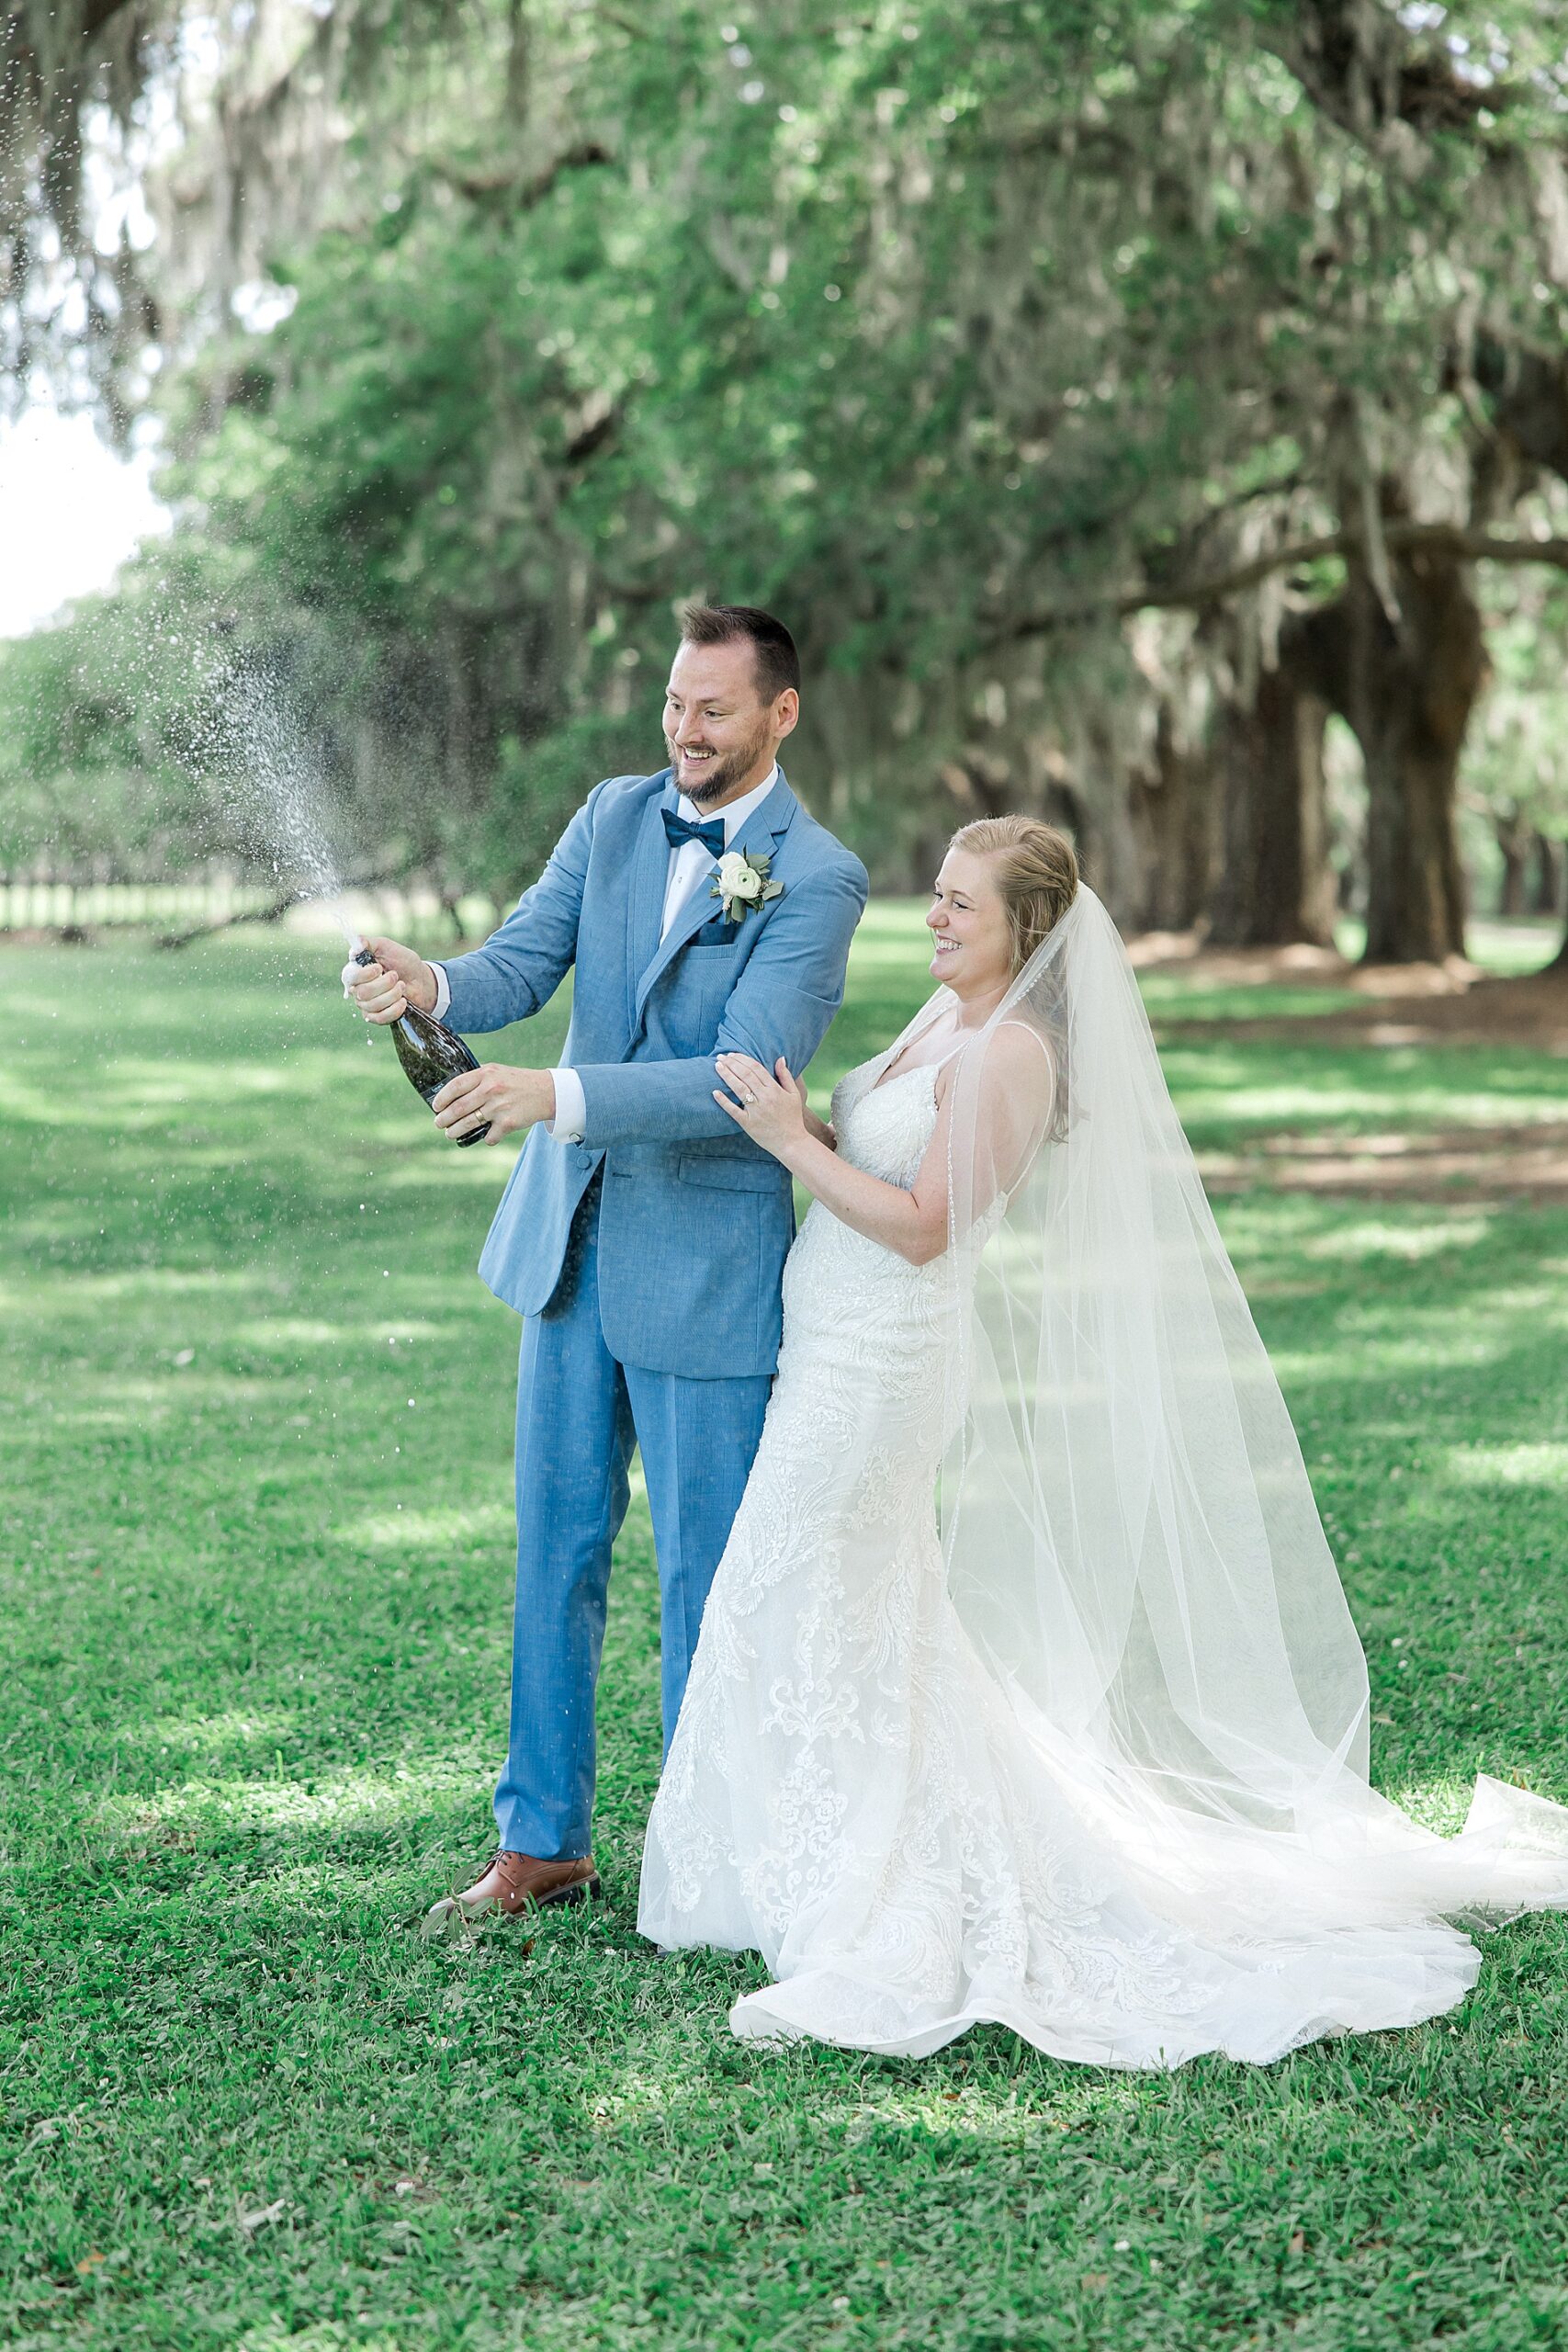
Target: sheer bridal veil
(1130,1534)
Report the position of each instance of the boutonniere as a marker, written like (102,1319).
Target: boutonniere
(744,880)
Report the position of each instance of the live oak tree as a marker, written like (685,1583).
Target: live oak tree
(1112,394)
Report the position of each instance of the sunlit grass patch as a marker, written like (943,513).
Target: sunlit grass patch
(479,1169)
(1510,1465)
(430,1531)
(1373,1238)
(1174,995)
(1521,945)
(235,1730)
(295,1796)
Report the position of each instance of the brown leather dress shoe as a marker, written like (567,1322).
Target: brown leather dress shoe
(512,1884)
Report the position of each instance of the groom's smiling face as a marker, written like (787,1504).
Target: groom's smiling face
(722,737)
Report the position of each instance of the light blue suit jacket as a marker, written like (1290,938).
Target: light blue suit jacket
(694,1220)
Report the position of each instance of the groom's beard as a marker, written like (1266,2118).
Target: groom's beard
(720,775)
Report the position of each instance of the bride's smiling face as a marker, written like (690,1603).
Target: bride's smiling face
(971,938)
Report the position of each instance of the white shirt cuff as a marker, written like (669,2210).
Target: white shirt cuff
(571,1108)
(443,992)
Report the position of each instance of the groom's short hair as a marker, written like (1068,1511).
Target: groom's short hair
(778,663)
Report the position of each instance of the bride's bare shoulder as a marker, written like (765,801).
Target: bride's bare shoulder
(1016,1052)
(1015,1065)
(1015,1027)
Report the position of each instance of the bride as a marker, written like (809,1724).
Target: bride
(1026,1689)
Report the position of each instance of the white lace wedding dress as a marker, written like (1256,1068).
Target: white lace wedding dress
(853,1794)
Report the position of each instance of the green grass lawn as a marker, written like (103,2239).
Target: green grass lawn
(256,1590)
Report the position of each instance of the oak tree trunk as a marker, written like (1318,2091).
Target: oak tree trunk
(1543,892)
(1174,817)
(1275,886)
(1408,689)
(1560,961)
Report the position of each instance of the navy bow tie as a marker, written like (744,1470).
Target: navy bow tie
(680,829)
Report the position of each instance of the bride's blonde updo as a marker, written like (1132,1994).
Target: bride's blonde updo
(1036,872)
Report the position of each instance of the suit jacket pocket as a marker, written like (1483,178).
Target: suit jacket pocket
(717,933)
(732,1175)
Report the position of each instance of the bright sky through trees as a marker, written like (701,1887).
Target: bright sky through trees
(71,511)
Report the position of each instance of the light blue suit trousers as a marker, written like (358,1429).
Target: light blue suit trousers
(578,1413)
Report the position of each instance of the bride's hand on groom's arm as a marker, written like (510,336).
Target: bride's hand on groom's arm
(508,1099)
(768,1106)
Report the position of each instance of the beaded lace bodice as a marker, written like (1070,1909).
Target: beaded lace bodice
(850,1301)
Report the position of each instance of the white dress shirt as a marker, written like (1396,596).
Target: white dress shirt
(690,865)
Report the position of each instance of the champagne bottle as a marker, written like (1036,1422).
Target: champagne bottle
(429,1052)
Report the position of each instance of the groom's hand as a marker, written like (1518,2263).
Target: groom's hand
(385,989)
(508,1099)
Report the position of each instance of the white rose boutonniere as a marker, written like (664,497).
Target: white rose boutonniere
(744,880)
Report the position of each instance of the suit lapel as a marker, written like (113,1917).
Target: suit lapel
(767,824)
(650,873)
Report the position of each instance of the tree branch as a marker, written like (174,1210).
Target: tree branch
(99,13)
(484,187)
(1362,69)
(1431,538)
(273,909)
(273,912)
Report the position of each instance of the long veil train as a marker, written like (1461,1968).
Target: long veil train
(1130,1535)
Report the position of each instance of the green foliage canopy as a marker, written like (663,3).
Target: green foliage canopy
(953,334)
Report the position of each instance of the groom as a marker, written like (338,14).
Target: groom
(641,1236)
